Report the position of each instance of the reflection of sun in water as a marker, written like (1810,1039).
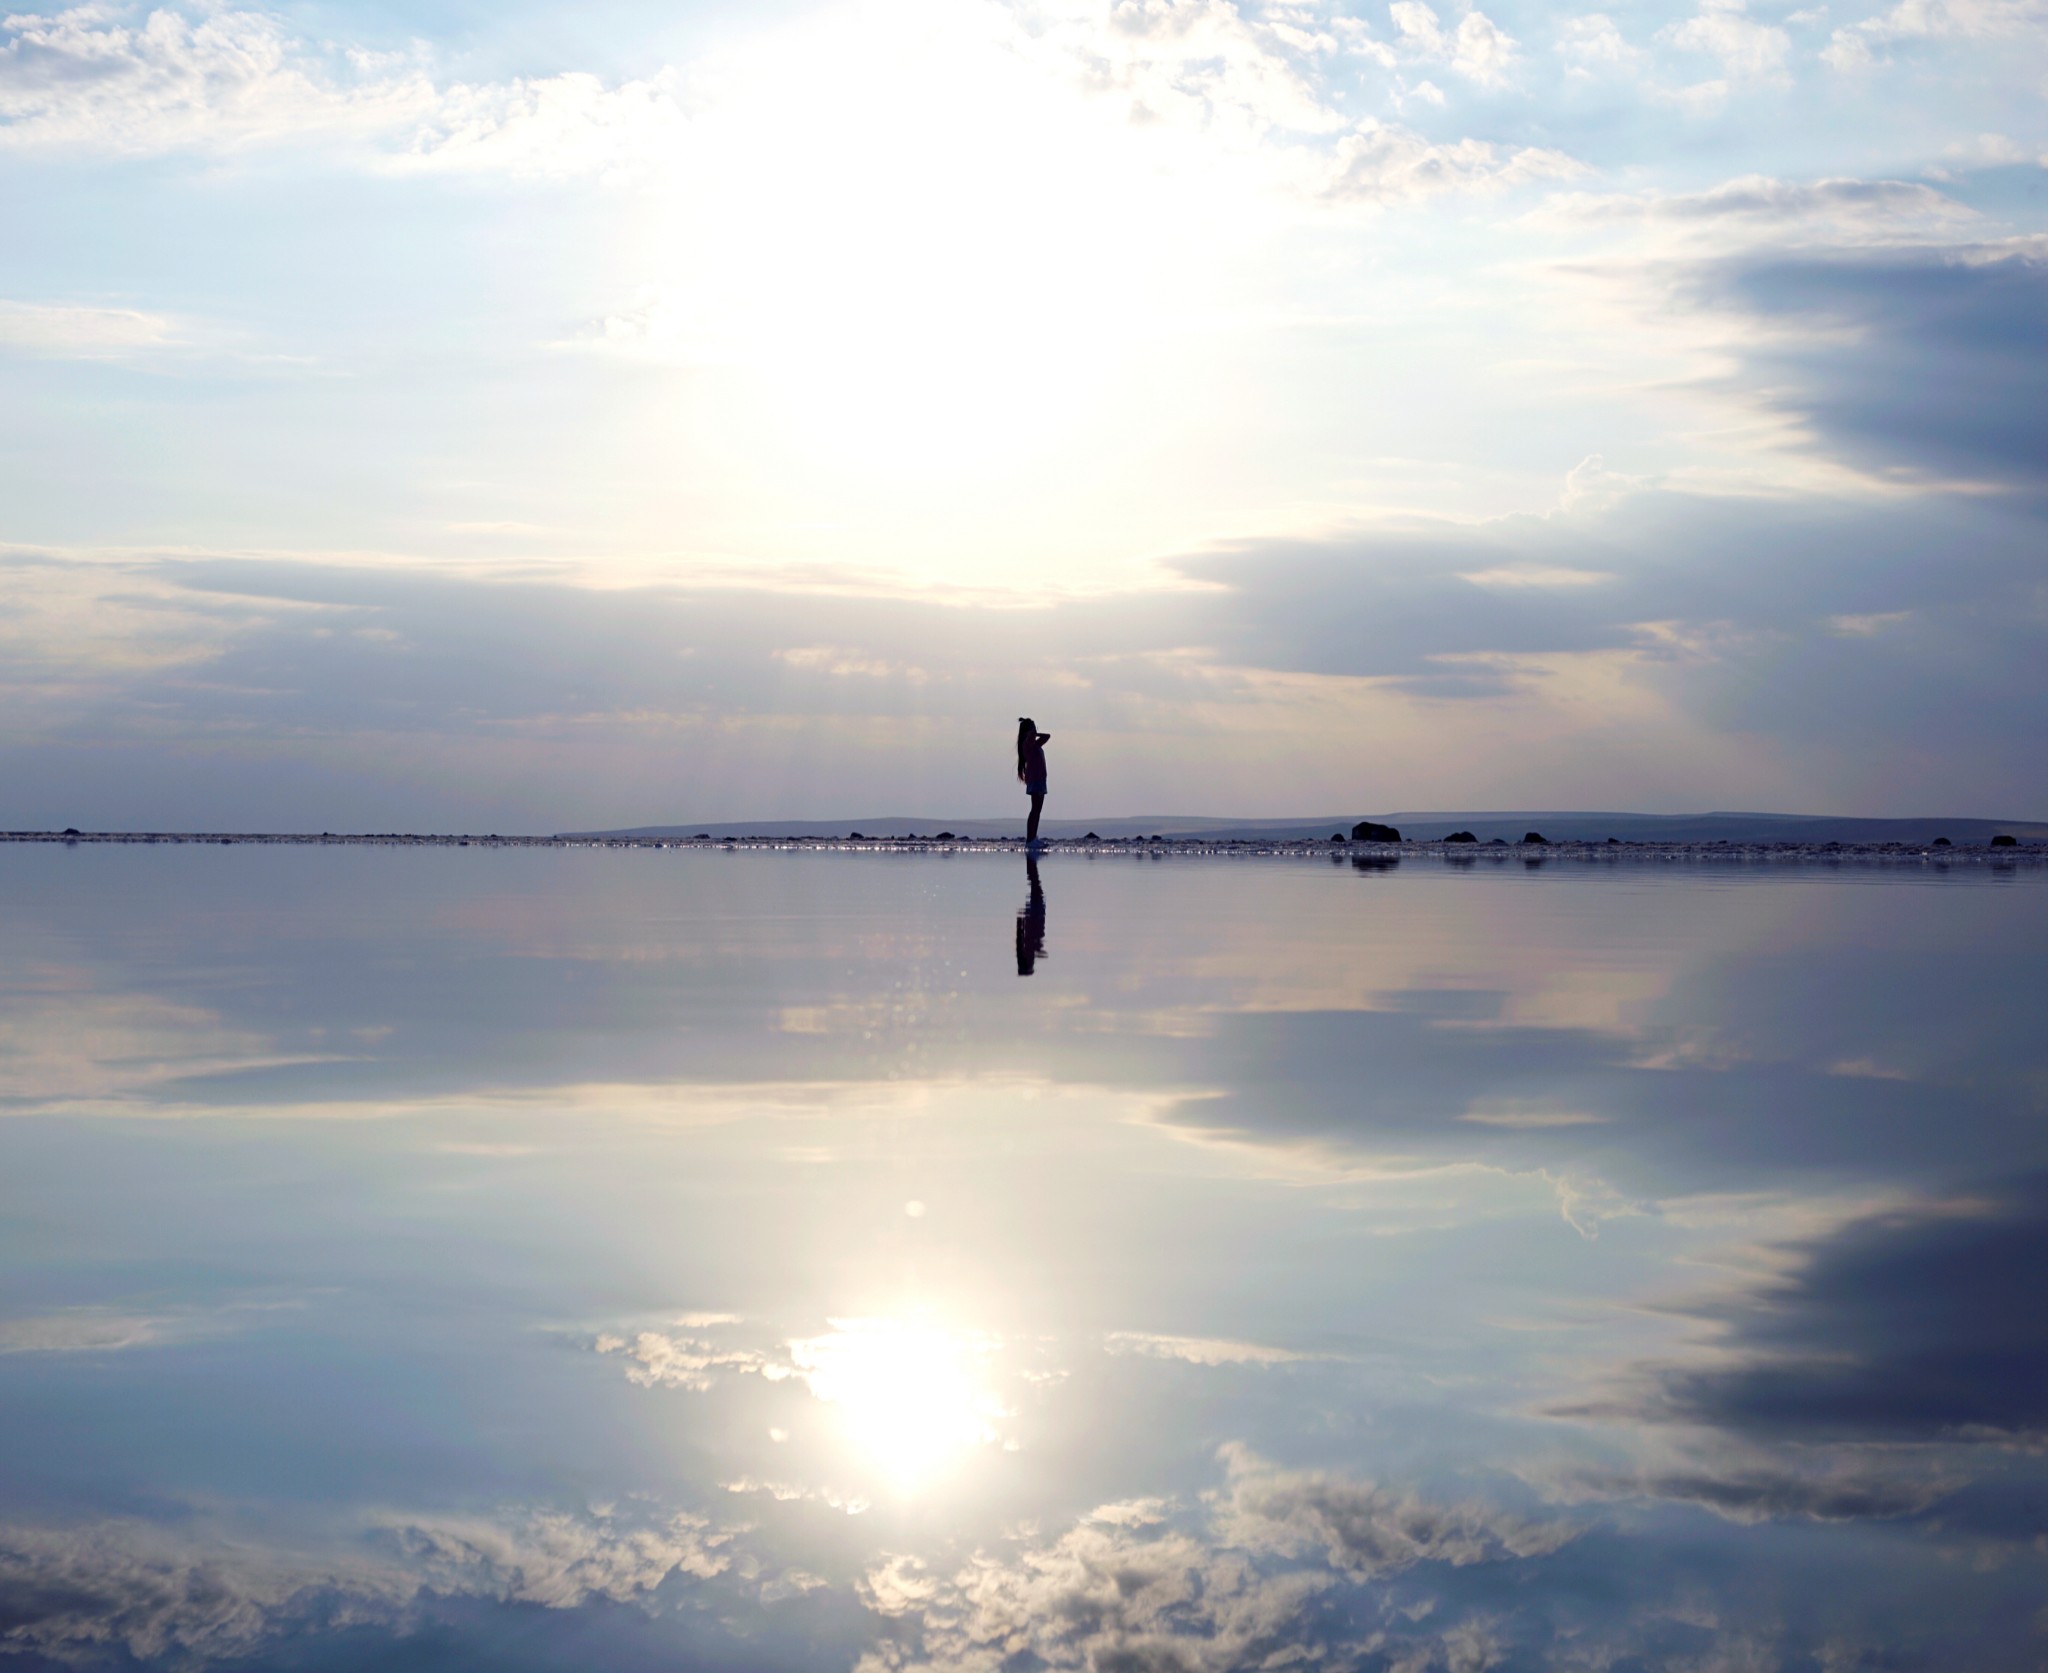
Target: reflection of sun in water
(910,1397)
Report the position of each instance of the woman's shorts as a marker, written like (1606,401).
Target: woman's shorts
(1036,787)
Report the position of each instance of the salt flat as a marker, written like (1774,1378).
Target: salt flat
(892,1254)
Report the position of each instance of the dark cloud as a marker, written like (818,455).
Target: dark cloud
(1929,362)
(301,696)
(1896,1370)
(1799,574)
(1923,1324)
(1749,1490)
(1395,1088)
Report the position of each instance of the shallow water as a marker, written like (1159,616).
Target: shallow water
(635,1259)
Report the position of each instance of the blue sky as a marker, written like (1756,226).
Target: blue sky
(516,417)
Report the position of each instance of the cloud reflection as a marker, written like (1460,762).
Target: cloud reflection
(650,1251)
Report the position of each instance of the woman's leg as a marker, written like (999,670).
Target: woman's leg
(1031,829)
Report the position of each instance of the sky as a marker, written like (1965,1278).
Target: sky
(514,417)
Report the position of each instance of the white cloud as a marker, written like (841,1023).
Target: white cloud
(1595,40)
(846,662)
(1590,487)
(1747,50)
(1758,207)
(1132,1513)
(1524,575)
(1206,63)
(1243,1587)
(1418,28)
(73,331)
(128,1585)
(62,1045)
(553,127)
(1198,1350)
(196,1594)
(1989,150)
(1363,1530)
(81,1330)
(557,1560)
(1863,627)
(110,80)
(1482,50)
(112,1330)
(1099,1596)
(1478,48)
(113,81)
(1919,20)
(791,1492)
(1382,163)
(684,1361)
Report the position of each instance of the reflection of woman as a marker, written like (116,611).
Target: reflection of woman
(1031,769)
(1031,923)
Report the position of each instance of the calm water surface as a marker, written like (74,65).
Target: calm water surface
(583,1259)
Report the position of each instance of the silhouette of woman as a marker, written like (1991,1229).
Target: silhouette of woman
(1031,770)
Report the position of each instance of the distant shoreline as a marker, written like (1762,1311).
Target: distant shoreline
(1365,856)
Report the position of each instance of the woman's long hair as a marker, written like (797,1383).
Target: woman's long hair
(1027,735)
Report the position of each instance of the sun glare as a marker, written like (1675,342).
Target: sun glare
(910,1398)
(908,305)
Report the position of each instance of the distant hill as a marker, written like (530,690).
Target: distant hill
(1559,826)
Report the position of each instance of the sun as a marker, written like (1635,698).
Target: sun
(910,1398)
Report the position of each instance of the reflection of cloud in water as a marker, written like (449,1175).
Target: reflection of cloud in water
(82,1330)
(1919,1323)
(1198,1350)
(62,1043)
(1810,1068)
(1277,1567)
(200,1592)
(1893,1366)
(1365,1093)
(87,1330)
(909,1399)
(684,1361)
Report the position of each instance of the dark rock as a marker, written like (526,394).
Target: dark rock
(1336,836)
(1091,837)
(1536,838)
(945,836)
(1461,836)
(1366,831)
(1614,842)
(2004,841)
(1497,842)
(1942,842)
(71,830)
(855,836)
